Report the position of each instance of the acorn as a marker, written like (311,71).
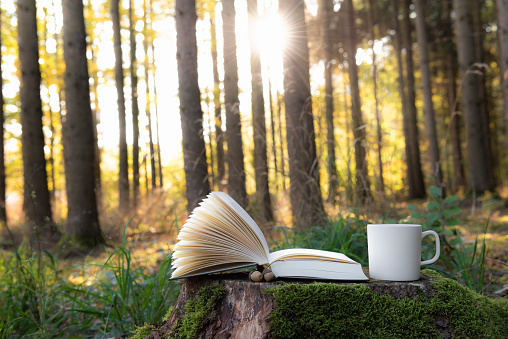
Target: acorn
(255,275)
(268,274)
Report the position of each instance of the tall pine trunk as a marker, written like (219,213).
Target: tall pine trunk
(36,196)
(362,172)
(414,169)
(123,175)
(470,96)
(236,169)
(428,107)
(325,7)
(305,191)
(502,32)
(381,187)
(193,143)
(258,119)
(135,107)
(3,211)
(79,146)
(146,33)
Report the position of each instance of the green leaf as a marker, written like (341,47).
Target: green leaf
(451,200)
(433,205)
(452,211)
(453,222)
(412,207)
(431,217)
(416,215)
(435,191)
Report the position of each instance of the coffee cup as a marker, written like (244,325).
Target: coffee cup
(395,251)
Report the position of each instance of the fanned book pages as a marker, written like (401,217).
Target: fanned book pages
(219,235)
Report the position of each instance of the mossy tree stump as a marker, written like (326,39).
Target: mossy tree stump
(231,306)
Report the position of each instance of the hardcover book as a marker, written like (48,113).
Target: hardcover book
(220,235)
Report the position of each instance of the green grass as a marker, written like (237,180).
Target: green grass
(37,298)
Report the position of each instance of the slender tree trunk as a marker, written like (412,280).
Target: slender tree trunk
(219,135)
(471,102)
(478,33)
(159,159)
(381,187)
(305,191)
(211,117)
(193,143)
(3,210)
(362,173)
(281,140)
(325,7)
(272,128)
(135,108)
(414,169)
(502,32)
(36,199)
(349,189)
(258,120)
(146,32)
(123,180)
(430,121)
(236,169)
(79,147)
(96,119)
(455,123)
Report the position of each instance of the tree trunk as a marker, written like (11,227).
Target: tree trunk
(381,187)
(272,130)
(362,171)
(471,102)
(430,121)
(159,159)
(478,33)
(36,204)
(193,143)
(135,108)
(236,170)
(123,179)
(146,32)
(3,211)
(414,169)
(305,191)
(281,140)
(325,8)
(258,119)
(502,32)
(79,148)
(219,135)
(96,119)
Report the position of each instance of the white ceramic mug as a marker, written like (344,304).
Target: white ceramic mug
(395,251)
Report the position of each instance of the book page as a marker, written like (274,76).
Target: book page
(218,235)
(309,254)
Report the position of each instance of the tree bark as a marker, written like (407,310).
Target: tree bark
(362,171)
(381,187)
(79,147)
(146,32)
(3,210)
(236,169)
(502,32)
(471,102)
(258,120)
(219,134)
(36,204)
(281,140)
(123,175)
(135,108)
(193,143)
(430,120)
(325,8)
(305,191)
(414,169)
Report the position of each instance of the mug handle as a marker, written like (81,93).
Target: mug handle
(438,249)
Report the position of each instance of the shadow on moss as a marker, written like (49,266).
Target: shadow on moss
(331,311)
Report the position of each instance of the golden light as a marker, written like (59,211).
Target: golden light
(270,35)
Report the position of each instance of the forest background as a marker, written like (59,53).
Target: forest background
(317,116)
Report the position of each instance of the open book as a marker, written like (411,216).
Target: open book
(219,235)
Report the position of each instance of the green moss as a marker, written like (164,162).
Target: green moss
(168,313)
(332,311)
(140,332)
(197,311)
(431,273)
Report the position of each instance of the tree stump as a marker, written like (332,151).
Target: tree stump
(232,306)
